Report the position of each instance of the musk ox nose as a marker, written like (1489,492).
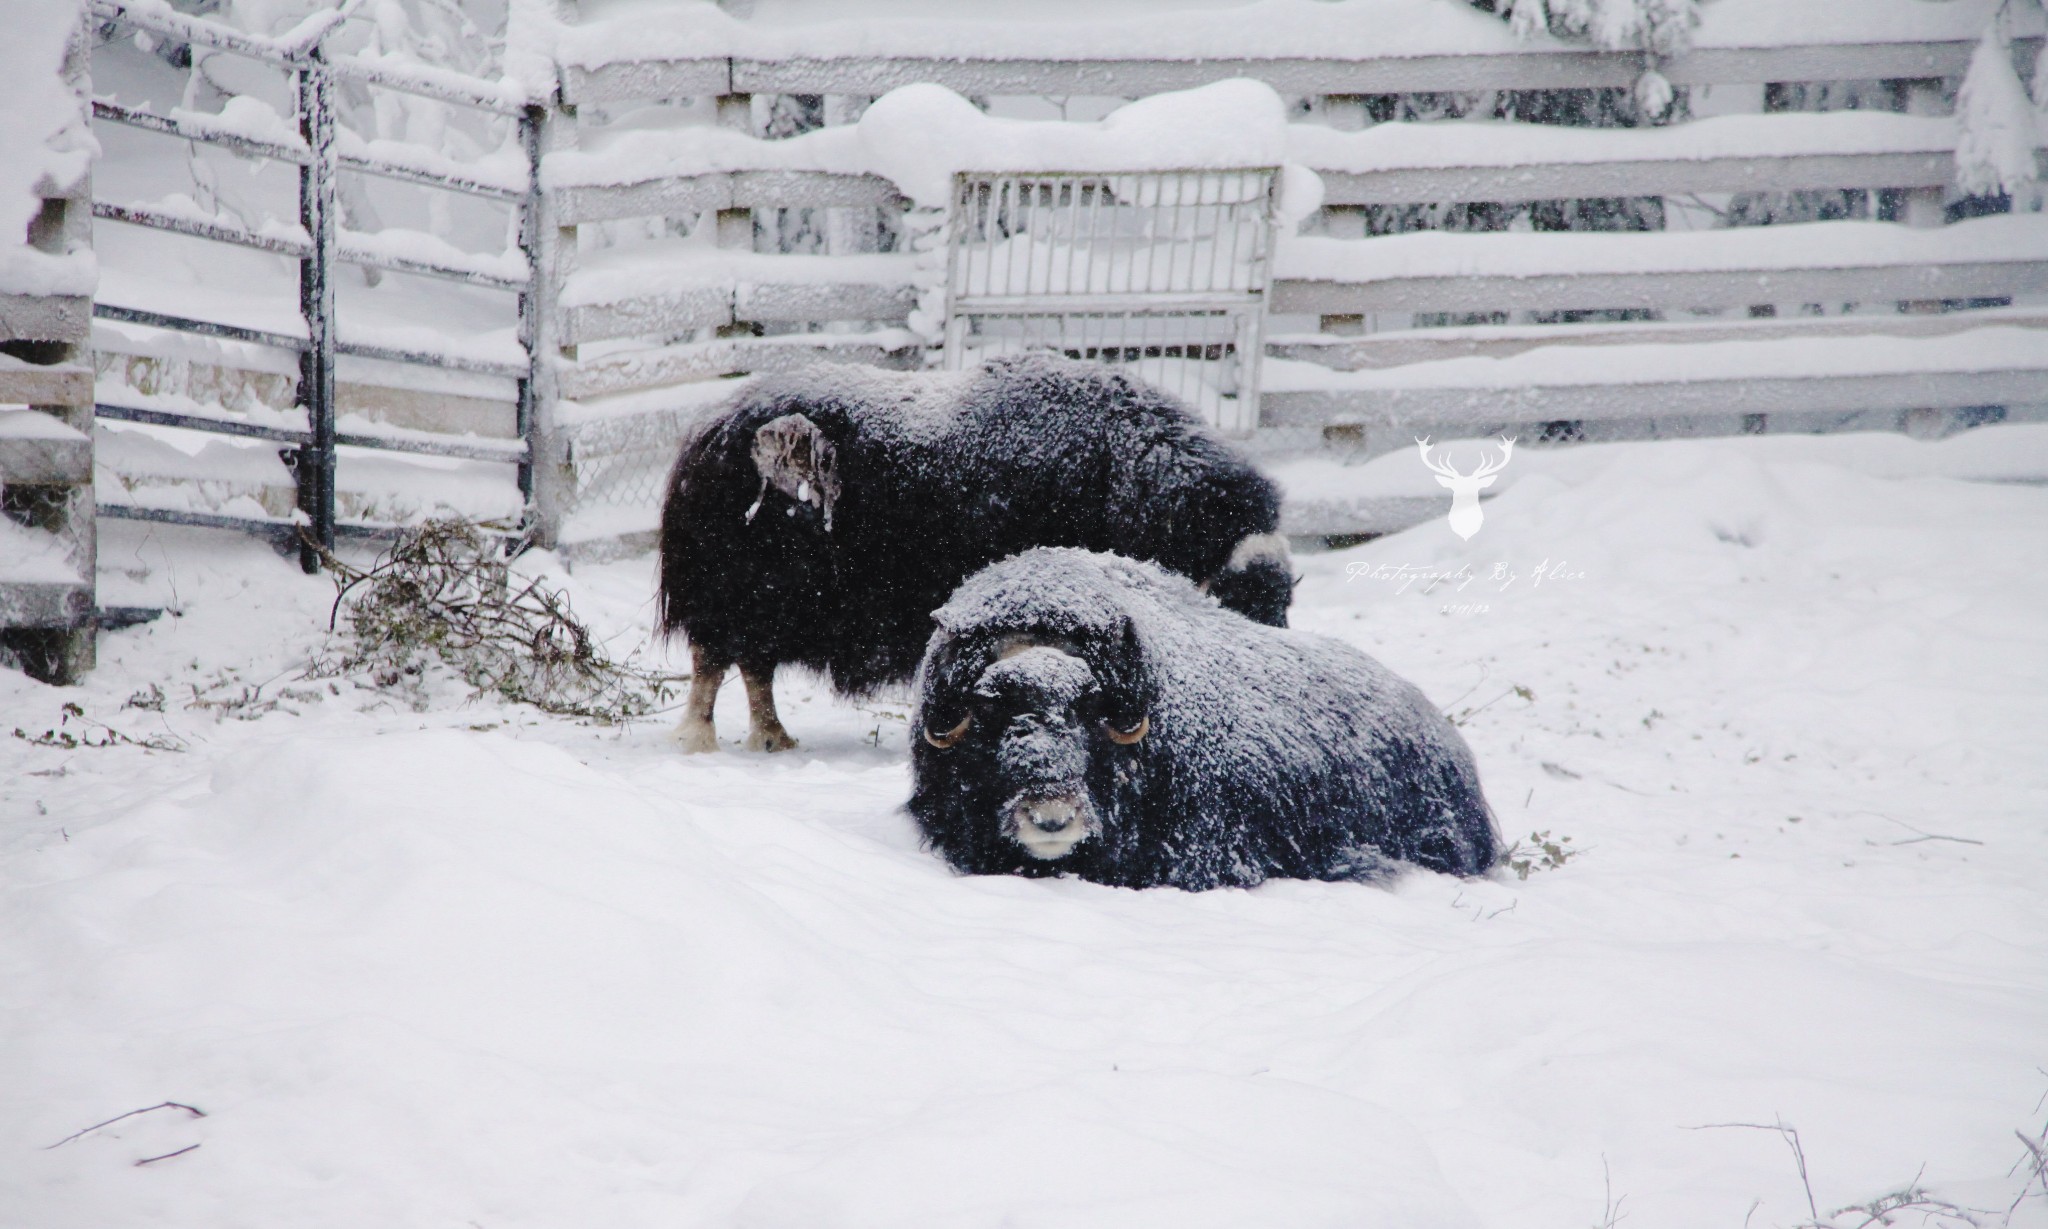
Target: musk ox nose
(1049,828)
(1051,815)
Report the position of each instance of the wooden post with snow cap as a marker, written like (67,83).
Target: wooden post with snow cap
(315,459)
(1345,113)
(46,469)
(736,226)
(549,482)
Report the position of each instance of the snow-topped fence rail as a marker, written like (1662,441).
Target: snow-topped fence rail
(674,229)
(318,245)
(1895,318)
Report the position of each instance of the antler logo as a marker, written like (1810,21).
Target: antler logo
(1465,514)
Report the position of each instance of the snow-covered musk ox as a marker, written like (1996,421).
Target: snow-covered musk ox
(1092,715)
(821,517)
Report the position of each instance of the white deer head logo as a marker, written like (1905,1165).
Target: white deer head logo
(1465,514)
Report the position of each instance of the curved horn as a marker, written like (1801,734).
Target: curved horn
(950,737)
(1130,737)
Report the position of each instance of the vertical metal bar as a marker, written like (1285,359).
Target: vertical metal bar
(530,309)
(316,304)
(1075,237)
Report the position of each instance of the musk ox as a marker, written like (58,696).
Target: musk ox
(1097,716)
(821,517)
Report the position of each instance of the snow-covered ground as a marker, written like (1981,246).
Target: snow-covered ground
(473,967)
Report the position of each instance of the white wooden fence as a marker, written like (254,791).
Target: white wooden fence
(625,344)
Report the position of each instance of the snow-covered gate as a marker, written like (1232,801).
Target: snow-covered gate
(1905,321)
(236,326)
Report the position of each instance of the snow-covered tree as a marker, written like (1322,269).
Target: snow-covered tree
(2000,124)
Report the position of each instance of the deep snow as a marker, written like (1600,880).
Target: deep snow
(473,967)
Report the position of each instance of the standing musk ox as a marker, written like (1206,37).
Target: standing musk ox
(1096,716)
(822,517)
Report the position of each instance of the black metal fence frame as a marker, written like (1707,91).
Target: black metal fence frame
(312,456)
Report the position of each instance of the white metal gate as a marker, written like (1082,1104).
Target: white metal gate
(1165,272)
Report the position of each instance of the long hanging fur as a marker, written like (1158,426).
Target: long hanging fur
(1192,747)
(828,541)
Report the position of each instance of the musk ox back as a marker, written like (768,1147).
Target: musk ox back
(1092,715)
(822,517)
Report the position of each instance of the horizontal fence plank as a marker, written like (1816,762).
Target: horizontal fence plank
(162,20)
(31,384)
(812,190)
(682,195)
(1663,288)
(295,246)
(426,81)
(806,303)
(623,81)
(1993,365)
(689,363)
(1484,410)
(193,128)
(468,449)
(215,424)
(681,311)
(468,185)
(277,529)
(354,249)
(355,253)
(574,204)
(352,349)
(1571,181)
(678,311)
(633,80)
(187,324)
(45,317)
(44,603)
(1378,352)
(45,457)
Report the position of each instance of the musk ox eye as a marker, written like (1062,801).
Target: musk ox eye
(950,737)
(1130,737)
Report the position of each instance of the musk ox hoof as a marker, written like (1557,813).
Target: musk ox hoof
(777,739)
(695,737)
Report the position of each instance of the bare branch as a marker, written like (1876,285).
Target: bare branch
(149,1160)
(1790,1135)
(192,1110)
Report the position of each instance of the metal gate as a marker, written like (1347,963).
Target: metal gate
(1165,272)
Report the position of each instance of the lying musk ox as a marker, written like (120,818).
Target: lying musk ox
(821,518)
(1091,715)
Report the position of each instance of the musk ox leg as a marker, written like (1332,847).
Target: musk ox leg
(764,728)
(695,732)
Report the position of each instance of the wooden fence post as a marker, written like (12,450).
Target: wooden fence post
(551,257)
(736,226)
(316,303)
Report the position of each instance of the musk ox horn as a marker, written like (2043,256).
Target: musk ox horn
(1131,737)
(950,737)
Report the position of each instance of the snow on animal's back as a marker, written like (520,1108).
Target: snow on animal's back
(1253,705)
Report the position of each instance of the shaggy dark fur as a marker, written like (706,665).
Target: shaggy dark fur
(1260,753)
(827,540)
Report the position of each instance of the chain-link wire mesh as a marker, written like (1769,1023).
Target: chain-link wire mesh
(618,467)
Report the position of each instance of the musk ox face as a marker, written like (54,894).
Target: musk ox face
(1029,742)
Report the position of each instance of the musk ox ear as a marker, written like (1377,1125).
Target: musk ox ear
(794,457)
